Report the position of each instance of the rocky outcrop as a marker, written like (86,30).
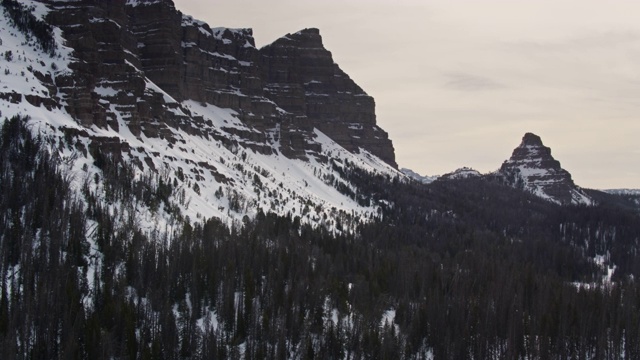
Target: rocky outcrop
(106,74)
(302,78)
(532,168)
(133,67)
(137,62)
(220,68)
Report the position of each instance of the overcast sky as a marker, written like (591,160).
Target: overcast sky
(458,83)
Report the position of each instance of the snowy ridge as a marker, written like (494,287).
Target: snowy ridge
(216,175)
(462,173)
(633,192)
(415,176)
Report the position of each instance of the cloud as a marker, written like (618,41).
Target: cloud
(607,40)
(469,82)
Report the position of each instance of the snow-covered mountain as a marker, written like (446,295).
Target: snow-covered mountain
(533,169)
(461,173)
(187,195)
(417,177)
(233,128)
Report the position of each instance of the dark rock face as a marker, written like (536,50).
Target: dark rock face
(106,76)
(532,168)
(302,78)
(156,27)
(281,92)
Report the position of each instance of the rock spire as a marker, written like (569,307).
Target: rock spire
(533,168)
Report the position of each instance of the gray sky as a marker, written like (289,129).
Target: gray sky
(458,82)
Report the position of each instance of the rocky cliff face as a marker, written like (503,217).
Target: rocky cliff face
(280,93)
(532,168)
(303,79)
(194,106)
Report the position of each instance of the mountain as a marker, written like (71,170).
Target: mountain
(419,178)
(232,127)
(169,191)
(533,169)
(461,173)
(301,76)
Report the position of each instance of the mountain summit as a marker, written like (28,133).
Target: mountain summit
(532,168)
(301,77)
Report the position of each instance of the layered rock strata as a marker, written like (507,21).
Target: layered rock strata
(532,168)
(303,79)
(280,93)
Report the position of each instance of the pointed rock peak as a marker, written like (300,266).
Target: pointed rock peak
(531,153)
(531,139)
(532,168)
(531,148)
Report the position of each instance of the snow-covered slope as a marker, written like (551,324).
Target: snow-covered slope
(215,172)
(23,63)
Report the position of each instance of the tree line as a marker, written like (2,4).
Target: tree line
(29,25)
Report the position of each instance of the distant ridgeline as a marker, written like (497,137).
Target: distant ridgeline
(168,190)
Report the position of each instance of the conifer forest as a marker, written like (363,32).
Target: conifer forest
(459,269)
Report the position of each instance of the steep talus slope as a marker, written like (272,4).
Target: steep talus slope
(532,168)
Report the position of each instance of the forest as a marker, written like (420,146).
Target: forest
(458,269)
